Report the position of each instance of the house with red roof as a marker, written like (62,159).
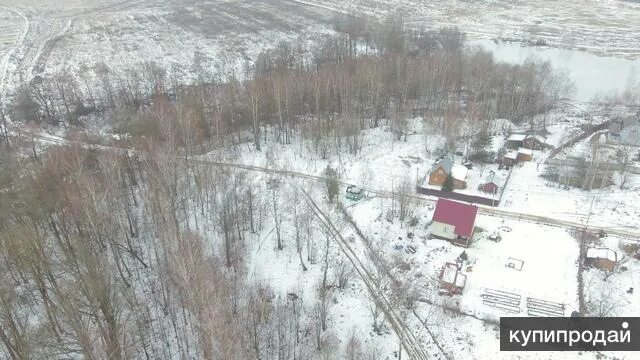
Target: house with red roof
(454,221)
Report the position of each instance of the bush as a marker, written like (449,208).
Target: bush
(483,156)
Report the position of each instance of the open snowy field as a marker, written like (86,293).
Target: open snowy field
(10,30)
(85,37)
(78,35)
(603,27)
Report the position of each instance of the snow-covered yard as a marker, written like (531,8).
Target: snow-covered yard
(544,275)
(531,261)
(610,206)
(545,258)
(614,294)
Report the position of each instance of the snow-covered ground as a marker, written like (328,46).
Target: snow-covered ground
(463,325)
(614,294)
(385,164)
(549,258)
(601,27)
(594,76)
(75,36)
(84,38)
(612,207)
(121,34)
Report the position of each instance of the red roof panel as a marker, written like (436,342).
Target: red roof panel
(461,216)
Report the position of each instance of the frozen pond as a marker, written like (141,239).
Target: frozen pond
(593,75)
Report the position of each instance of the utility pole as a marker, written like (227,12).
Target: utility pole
(581,304)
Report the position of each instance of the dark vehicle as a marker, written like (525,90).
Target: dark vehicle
(354,193)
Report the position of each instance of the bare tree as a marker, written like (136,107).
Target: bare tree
(353,349)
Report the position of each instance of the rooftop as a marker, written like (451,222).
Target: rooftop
(459,172)
(517,137)
(602,253)
(451,275)
(511,155)
(462,216)
(525,151)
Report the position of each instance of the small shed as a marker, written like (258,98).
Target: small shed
(525,154)
(491,184)
(515,141)
(510,158)
(601,258)
(452,281)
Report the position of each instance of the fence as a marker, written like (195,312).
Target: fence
(458,196)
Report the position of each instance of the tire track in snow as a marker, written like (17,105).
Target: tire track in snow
(409,341)
(4,66)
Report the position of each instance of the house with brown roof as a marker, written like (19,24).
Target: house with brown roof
(454,221)
(441,170)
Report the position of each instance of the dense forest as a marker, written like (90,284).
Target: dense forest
(143,254)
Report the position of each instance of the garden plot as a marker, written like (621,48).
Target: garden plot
(466,326)
(531,271)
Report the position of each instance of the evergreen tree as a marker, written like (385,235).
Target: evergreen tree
(448,183)
(331,183)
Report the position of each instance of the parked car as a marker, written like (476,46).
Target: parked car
(354,193)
